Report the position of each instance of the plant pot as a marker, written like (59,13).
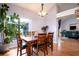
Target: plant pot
(4,47)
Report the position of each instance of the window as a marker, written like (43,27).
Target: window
(25,25)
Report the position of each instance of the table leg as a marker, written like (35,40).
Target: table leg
(29,49)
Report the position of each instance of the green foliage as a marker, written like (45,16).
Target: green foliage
(8,39)
(1,26)
(7,23)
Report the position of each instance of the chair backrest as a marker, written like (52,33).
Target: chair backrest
(41,38)
(33,32)
(28,34)
(19,41)
(50,36)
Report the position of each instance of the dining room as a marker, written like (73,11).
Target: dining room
(31,27)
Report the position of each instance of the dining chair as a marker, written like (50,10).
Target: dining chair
(33,33)
(28,33)
(50,40)
(41,44)
(20,46)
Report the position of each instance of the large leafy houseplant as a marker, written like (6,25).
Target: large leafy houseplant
(7,23)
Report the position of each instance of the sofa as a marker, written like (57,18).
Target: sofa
(70,34)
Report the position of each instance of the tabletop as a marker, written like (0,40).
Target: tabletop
(28,38)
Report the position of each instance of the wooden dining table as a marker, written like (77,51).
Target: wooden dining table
(29,41)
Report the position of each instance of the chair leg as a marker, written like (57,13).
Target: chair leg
(51,47)
(37,52)
(17,52)
(47,52)
(26,50)
(20,52)
(44,53)
(46,49)
(32,50)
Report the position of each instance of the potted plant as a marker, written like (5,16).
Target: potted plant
(7,24)
(44,28)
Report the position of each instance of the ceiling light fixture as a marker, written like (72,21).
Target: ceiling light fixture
(42,12)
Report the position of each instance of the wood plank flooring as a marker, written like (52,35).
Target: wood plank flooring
(69,47)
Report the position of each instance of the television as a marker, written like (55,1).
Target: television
(72,27)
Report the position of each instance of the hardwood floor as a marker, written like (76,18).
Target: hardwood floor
(69,47)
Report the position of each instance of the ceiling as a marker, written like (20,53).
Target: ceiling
(65,6)
(35,7)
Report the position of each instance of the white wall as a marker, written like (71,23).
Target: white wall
(37,21)
(65,25)
(51,21)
